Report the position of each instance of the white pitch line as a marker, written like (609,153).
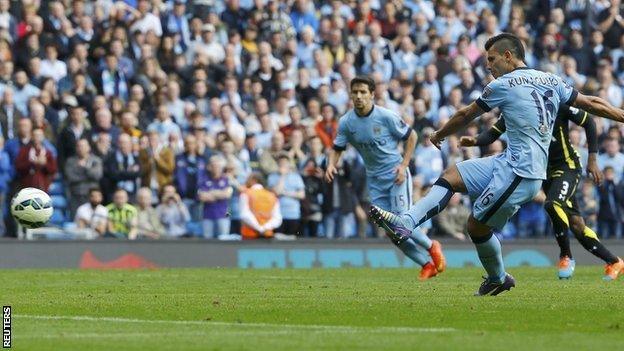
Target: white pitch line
(309,327)
(61,335)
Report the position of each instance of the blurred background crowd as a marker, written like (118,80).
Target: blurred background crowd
(153,119)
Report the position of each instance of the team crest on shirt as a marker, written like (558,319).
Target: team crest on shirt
(376,130)
(486,92)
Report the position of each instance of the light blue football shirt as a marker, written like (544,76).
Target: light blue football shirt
(375,136)
(529,101)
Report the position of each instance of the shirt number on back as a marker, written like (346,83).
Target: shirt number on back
(545,110)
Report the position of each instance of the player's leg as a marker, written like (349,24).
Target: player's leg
(401,202)
(425,208)
(491,256)
(589,240)
(437,198)
(560,188)
(500,200)
(468,176)
(381,197)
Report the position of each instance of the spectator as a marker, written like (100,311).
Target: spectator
(157,162)
(268,159)
(104,124)
(35,164)
(6,173)
(122,217)
(148,221)
(302,16)
(173,213)
(429,161)
(260,210)
(327,128)
(288,185)
(164,125)
(122,168)
(75,130)
(247,68)
(91,216)
(143,20)
(10,115)
(588,203)
(175,23)
(23,91)
(37,116)
(128,125)
(609,207)
(83,172)
(53,67)
(452,221)
(214,192)
(612,157)
(250,153)
(188,167)
(102,145)
(311,206)
(338,204)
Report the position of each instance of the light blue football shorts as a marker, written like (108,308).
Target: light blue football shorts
(496,191)
(388,195)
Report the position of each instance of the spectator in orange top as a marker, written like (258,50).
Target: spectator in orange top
(260,210)
(327,128)
(35,164)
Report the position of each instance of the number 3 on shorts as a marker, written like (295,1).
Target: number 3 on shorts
(564,190)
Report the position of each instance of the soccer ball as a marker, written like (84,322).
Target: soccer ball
(31,207)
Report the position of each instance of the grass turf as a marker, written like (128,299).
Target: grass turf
(330,309)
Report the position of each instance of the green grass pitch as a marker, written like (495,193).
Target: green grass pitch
(319,309)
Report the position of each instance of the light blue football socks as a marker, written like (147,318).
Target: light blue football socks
(414,252)
(430,205)
(491,256)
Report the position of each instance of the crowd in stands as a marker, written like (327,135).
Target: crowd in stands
(153,115)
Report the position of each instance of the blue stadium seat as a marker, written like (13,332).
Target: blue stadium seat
(58,217)
(195,228)
(56,188)
(59,202)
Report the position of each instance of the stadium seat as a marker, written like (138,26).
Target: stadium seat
(58,217)
(56,188)
(195,228)
(59,202)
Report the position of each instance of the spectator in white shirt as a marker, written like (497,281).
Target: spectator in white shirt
(145,21)
(92,216)
(51,66)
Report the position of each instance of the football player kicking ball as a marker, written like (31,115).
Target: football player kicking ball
(376,132)
(529,101)
(563,176)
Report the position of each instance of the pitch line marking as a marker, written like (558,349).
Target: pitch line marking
(309,327)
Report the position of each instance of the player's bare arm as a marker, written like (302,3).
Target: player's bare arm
(334,157)
(593,170)
(599,107)
(460,120)
(408,150)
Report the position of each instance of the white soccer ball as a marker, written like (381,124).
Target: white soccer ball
(31,207)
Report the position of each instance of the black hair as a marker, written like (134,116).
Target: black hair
(507,41)
(363,80)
